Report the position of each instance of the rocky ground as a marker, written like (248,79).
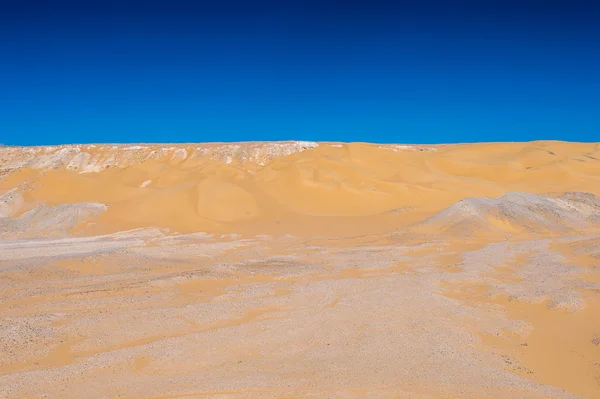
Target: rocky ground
(144,315)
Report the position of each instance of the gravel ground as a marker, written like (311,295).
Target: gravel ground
(145,315)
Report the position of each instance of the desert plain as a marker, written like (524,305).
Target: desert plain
(300,270)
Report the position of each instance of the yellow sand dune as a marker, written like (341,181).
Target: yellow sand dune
(223,187)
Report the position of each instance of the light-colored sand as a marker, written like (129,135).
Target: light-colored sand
(300,270)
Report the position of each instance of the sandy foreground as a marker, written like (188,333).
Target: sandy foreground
(297,269)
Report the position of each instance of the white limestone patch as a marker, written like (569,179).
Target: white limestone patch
(82,159)
(79,161)
(47,220)
(529,212)
(180,154)
(10,202)
(54,159)
(406,147)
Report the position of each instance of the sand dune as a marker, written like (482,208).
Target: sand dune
(190,188)
(300,269)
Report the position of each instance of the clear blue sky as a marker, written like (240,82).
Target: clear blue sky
(225,70)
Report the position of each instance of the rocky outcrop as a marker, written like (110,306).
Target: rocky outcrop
(95,158)
(516,212)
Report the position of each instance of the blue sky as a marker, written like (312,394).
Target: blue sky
(379,71)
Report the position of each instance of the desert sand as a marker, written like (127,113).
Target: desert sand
(300,269)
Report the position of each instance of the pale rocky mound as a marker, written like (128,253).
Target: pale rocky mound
(10,202)
(49,221)
(96,158)
(516,212)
